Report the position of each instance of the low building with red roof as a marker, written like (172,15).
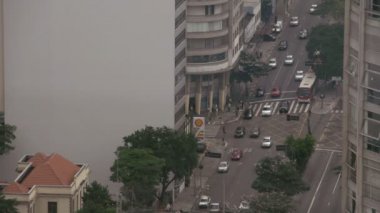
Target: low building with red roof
(48,184)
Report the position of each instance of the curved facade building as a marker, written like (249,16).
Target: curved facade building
(214,41)
(361,126)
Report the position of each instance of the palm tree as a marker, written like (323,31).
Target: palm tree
(7,205)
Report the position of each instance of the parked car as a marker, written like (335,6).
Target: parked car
(267,110)
(284,106)
(260,92)
(223,167)
(236,154)
(255,132)
(302,34)
(214,207)
(244,205)
(269,37)
(313,8)
(272,63)
(276,92)
(277,27)
(267,142)
(283,45)
(204,202)
(294,21)
(201,147)
(248,113)
(299,75)
(289,60)
(239,132)
(214,152)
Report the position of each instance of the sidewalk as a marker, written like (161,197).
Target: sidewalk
(329,102)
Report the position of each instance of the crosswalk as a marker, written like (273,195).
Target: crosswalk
(295,107)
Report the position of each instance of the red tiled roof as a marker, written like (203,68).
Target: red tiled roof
(15,188)
(51,170)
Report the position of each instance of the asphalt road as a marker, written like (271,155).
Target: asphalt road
(235,186)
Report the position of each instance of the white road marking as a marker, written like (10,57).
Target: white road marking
(307,107)
(320,182)
(254,107)
(275,107)
(295,108)
(301,108)
(291,106)
(336,183)
(258,110)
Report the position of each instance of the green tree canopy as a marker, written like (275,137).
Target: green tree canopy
(266,10)
(328,39)
(7,205)
(248,63)
(272,202)
(278,175)
(6,137)
(171,155)
(96,199)
(299,150)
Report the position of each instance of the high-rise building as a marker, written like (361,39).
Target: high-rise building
(361,105)
(81,75)
(214,41)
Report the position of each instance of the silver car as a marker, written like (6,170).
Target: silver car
(267,110)
(223,167)
(267,142)
(299,75)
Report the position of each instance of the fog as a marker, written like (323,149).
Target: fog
(80,75)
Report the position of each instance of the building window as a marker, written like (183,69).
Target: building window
(180,37)
(180,113)
(179,94)
(178,3)
(181,55)
(180,18)
(373,96)
(180,75)
(206,58)
(209,10)
(52,207)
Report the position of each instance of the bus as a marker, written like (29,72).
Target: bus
(305,90)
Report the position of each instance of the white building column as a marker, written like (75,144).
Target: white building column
(211,94)
(198,95)
(223,90)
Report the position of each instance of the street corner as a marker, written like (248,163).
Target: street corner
(322,107)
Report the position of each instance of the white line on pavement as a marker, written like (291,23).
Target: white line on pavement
(336,183)
(275,107)
(295,108)
(307,107)
(258,110)
(291,106)
(320,182)
(301,108)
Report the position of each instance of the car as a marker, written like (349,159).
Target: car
(201,147)
(214,152)
(255,132)
(272,63)
(269,37)
(277,27)
(266,110)
(299,75)
(248,113)
(283,45)
(302,34)
(289,60)
(284,106)
(223,167)
(275,93)
(313,8)
(294,21)
(214,207)
(267,142)
(204,202)
(236,154)
(244,205)
(239,132)
(260,92)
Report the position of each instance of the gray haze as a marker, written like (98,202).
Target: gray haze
(80,75)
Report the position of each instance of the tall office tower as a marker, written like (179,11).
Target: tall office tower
(214,41)
(81,75)
(361,105)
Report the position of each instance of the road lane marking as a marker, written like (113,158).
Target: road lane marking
(291,106)
(275,107)
(258,110)
(254,107)
(329,150)
(336,183)
(320,182)
(295,108)
(307,107)
(301,108)
(272,100)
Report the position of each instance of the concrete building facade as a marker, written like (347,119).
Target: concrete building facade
(214,41)
(361,105)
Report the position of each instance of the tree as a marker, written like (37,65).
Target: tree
(248,63)
(299,150)
(96,199)
(7,205)
(266,10)
(333,8)
(272,202)
(278,175)
(328,39)
(175,150)
(6,137)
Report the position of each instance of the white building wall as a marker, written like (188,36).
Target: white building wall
(80,75)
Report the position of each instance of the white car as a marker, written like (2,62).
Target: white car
(272,62)
(267,142)
(313,8)
(294,21)
(223,167)
(277,27)
(267,110)
(299,75)
(289,60)
(204,202)
(214,207)
(244,205)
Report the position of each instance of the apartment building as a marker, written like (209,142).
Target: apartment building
(81,75)
(214,41)
(361,105)
(48,184)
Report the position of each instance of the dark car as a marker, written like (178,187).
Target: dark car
(201,147)
(214,152)
(276,92)
(269,37)
(236,154)
(239,132)
(255,132)
(260,92)
(283,45)
(284,107)
(248,113)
